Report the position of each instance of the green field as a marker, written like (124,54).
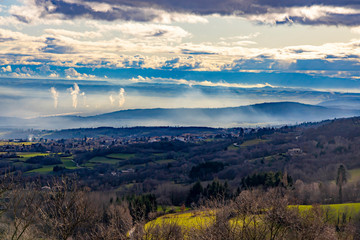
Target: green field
(26,155)
(253,142)
(104,160)
(46,169)
(173,209)
(121,156)
(232,147)
(68,163)
(354,175)
(23,156)
(266,159)
(134,166)
(43,170)
(88,165)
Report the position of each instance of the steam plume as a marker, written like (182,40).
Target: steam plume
(55,96)
(112,99)
(121,97)
(75,92)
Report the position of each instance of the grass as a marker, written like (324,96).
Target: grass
(46,169)
(23,156)
(253,142)
(43,170)
(266,159)
(68,163)
(133,166)
(232,147)
(174,209)
(104,160)
(121,156)
(113,158)
(89,165)
(354,175)
(31,154)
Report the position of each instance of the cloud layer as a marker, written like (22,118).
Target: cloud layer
(315,12)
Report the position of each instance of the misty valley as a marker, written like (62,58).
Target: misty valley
(168,180)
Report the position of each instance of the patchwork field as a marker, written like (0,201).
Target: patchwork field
(119,158)
(67,162)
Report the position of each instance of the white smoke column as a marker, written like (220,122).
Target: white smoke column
(55,96)
(74,94)
(112,99)
(121,97)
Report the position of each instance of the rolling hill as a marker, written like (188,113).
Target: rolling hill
(264,114)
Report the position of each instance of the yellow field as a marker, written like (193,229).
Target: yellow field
(196,219)
(16,143)
(191,219)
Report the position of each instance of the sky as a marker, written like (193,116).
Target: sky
(88,57)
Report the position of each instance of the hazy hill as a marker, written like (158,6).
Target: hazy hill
(265,114)
(252,115)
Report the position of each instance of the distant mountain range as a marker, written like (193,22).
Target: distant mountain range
(264,114)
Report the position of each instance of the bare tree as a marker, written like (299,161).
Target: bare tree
(117,224)
(22,210)
(65,210)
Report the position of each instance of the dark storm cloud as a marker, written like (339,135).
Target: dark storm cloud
(74,10)
(148,10)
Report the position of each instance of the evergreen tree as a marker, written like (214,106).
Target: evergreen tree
(341,179)
(195,194)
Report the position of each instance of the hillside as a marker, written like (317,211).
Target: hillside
(265,114)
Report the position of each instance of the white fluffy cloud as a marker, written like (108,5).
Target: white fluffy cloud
(72,73)
(6,69)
